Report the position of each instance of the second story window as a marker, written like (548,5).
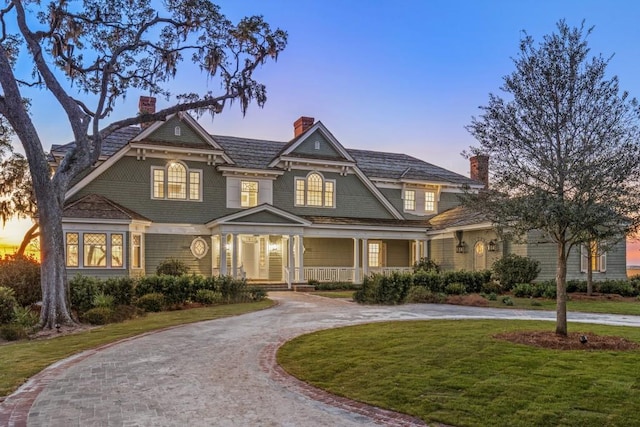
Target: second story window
(176,182)
(409,200)
(315,191)
(429,201)
(248,194)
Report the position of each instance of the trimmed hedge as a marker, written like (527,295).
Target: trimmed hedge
(22,274)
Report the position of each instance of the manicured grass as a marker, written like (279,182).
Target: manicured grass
(21,360)
(587,306)
(454,372)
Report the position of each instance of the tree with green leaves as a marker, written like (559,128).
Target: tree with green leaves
(91,53)
(563,144)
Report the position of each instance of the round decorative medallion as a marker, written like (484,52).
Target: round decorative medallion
(199,247)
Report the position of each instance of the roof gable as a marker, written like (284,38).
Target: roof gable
(260,215)
(304,147)
(94,206)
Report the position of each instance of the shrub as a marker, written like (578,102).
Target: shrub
(22,274)
(547,289)
(576,285)
(207,296)
(25,317)
(430,280)
(491,287)
(98,315)
(172,267)
(620,287)
(232,290)
(512,269)
(314,283)
(83,290)
(455,289)
(470,300)
(420,294)
(380,289)
(152,302)
(471,280)
(333,286)
(522,290)
(492,296)
(120,288)
(425,264)
(102,300)
(256,293)
(507,301)
(13,332)
(7,304)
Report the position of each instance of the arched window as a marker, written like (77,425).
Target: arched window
(315,191)
(176,182)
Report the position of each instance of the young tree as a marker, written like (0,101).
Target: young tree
(564,149)
(104,48)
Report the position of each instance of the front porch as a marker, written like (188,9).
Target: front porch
(294,259)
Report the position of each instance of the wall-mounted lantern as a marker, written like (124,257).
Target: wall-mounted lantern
(461,248)
(492,246)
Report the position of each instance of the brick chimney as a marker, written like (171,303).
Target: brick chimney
(480,169)
(146,105)
(301,125)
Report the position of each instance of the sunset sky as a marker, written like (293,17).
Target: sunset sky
(404,76)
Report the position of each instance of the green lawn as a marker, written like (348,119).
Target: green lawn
(454,372)
(23,359)
(587,306)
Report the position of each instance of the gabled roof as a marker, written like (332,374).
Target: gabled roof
(376,222)
(110,145)
(249,153)
(96,206)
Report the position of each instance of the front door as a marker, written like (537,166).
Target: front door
(479,257)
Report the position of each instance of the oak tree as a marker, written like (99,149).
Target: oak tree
(90,53)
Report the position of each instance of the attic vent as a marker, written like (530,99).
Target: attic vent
(177,131)
(317,145)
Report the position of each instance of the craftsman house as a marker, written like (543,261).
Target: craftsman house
(272,211)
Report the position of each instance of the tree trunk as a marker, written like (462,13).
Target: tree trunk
(561,289)
(55,295)
(590,255)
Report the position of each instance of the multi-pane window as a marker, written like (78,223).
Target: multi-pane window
(409,200)
(375,254)
(94,247)
(429,201)
(136,248)
(72,250)
(117,250)
(176,182)
(248,194)
(94,250)
(315,191)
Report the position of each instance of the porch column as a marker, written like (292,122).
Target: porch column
(234,254)
(425,249)
(416,252)
(356,260)
(223,254)
(291,261)
(365,258)
(300,275)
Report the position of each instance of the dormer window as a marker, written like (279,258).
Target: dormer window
(315,191)
(176,182)
(429,201)
(409,200)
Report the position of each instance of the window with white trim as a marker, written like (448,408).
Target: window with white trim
(315,191)
(429,201)
(136,251)
(598,259)
(375,254)
(94,250)
(176,182)
(248,194)
(409,200)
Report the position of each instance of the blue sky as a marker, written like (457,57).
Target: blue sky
(403,76)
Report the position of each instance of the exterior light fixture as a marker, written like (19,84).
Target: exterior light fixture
(461,248)
(492,246)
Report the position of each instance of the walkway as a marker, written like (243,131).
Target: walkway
(222,372)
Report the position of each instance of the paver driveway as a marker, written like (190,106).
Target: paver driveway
(223,372)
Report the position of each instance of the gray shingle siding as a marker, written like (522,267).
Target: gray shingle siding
(325,149)
(160,247)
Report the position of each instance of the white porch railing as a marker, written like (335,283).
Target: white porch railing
(329,274)
(388,270)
